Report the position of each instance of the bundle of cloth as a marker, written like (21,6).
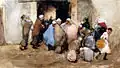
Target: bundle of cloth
(73,50)
(87,54)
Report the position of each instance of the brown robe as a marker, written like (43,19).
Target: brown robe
(37,33)
(25,33)
(60,39)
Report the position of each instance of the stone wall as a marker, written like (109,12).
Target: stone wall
(107,9)
(85,8)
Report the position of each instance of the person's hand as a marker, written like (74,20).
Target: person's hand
(43,26)
(32,27)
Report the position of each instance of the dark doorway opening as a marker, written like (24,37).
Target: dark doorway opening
(62,8)
(62,11)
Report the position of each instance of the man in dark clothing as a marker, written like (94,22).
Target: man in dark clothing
(37,33)
(98,32)
(86,24)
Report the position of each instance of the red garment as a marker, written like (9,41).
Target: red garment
(102,24)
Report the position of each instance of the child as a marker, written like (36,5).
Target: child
(106,48)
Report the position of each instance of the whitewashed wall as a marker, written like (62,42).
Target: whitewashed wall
(13,11)
(30,9)
(12,26)
(107,9)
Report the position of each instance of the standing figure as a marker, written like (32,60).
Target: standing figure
(49,36)
(38,30)
(60,38)
(66,24)
(86,24)
(70,29)
(100,28)
(26,26)
(106,49)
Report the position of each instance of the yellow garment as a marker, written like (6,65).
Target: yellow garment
(106,48)
(100,43)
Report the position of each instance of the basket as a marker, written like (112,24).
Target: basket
(100,43)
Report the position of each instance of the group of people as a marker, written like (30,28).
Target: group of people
(79,41)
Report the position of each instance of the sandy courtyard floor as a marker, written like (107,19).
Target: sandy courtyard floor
(12,57)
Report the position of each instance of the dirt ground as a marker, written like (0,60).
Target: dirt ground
(12,57)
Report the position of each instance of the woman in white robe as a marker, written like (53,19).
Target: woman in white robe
(106,48)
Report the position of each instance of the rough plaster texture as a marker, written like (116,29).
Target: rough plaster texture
(109,10)
(13,11)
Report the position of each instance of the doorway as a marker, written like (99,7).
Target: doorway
(61,8)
